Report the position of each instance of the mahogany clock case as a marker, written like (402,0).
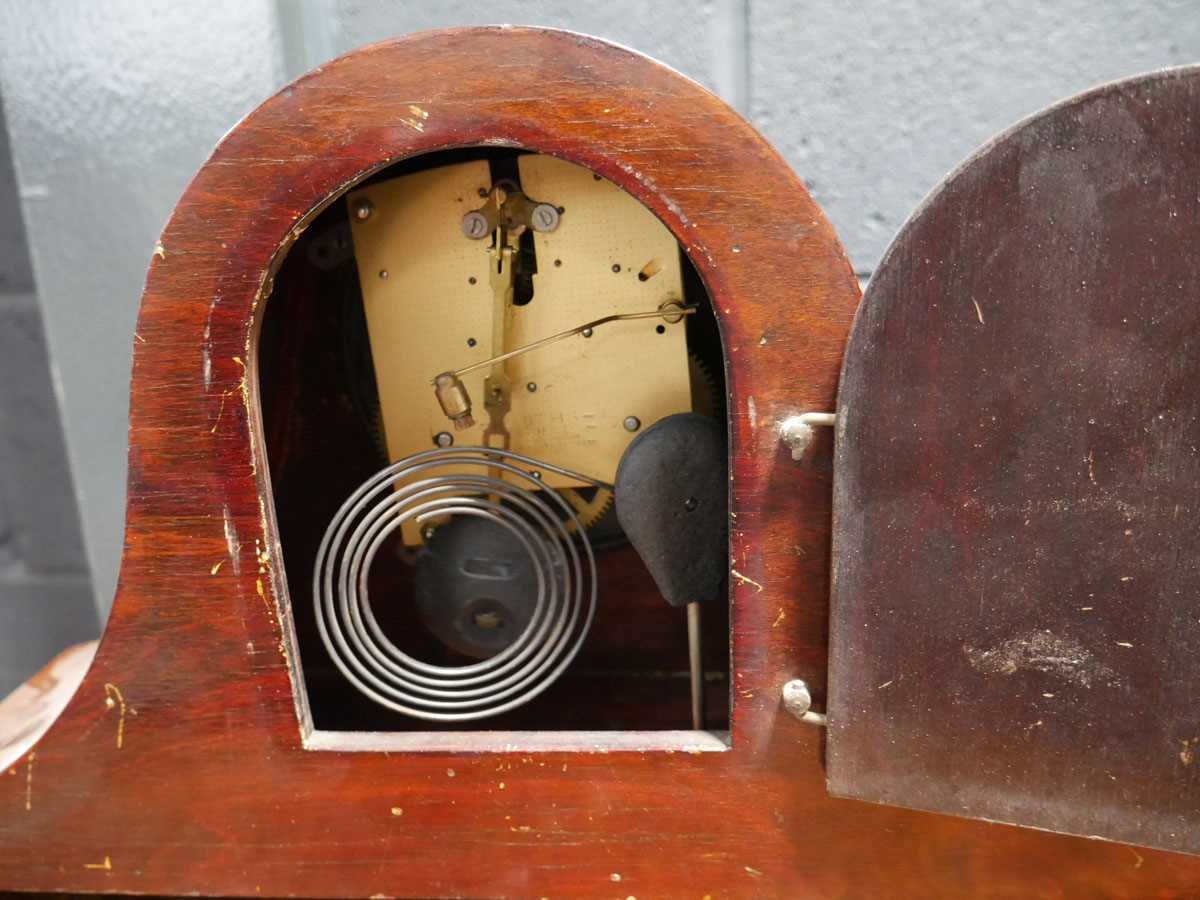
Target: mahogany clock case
(182,765)
(200,644)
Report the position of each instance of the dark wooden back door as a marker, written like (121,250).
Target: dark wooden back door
(1016,562)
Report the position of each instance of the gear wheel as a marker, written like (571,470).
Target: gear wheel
(589,511)
(706,399)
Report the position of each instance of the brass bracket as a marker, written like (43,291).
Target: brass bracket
(508,208)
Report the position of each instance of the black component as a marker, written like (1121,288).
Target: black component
(672,497)
(524,268)
(476,586)
(331,247)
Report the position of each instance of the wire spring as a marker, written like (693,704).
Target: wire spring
(493,484)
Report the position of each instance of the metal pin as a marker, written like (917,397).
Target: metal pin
(798,431)
(695,665)
(632,423)
(363,209)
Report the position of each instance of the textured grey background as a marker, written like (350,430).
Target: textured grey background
(111,106)
(45,593)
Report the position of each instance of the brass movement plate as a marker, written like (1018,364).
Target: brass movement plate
(436,298)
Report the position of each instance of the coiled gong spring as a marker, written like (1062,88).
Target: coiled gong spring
(492,484)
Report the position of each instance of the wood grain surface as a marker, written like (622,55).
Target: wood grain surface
(199,782)
(1018,478)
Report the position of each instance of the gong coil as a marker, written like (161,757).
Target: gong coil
(492,484)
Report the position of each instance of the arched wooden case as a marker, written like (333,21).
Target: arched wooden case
(184,763)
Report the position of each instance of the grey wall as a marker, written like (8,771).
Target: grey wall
(874,102)
(113,105)
(45,593)
(111,108)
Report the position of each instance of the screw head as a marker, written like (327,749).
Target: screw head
(475,226)
(363,209)
(587,332)
(690,504)
(443,439)
(544,217)
(632,423)
(383,273)
(531,387)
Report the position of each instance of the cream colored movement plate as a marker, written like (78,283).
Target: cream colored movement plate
(436,297)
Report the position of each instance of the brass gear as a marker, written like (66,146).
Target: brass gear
(706,400)
(591,511)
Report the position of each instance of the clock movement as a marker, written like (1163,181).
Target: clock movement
(486,338)
(522,504)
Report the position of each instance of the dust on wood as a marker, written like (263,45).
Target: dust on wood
(1042,651)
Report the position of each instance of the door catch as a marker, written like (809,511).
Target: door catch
(797,431)
(798,701)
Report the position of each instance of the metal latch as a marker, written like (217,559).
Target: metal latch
(798,431)
(798,701)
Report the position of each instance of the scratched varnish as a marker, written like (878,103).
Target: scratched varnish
(211,790)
